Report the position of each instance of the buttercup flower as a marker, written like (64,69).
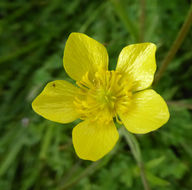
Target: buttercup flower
(101,95)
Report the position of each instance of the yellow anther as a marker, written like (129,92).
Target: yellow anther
(101,96)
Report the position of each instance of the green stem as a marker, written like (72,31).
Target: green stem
(142,21)
(176,45)
(180,104)
(143,176)
(136,151)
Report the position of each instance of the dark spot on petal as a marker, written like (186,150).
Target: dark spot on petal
(53,84)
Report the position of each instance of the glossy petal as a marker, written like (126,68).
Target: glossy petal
(56,102)
(83,54)
(93,140)
(147,112)
(138,63)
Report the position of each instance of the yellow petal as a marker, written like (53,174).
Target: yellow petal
(138,63)
(56,102)
(92,140)
(147,112)
(83,54)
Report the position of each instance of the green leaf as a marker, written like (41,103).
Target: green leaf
(155,162)
(156,181)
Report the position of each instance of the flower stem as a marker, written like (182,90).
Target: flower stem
(136,151)
(175,46)
(143,176)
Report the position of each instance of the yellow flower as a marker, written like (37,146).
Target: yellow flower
(102,95)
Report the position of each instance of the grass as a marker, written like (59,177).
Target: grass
(38,154)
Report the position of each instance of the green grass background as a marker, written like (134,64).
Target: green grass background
(36,154)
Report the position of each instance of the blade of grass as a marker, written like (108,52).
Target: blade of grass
(21,51)
(121,13)
(92,17)
(11,156)
(46,142)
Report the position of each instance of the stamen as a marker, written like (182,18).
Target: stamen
(100,97)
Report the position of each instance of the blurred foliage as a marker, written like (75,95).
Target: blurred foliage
(38,154)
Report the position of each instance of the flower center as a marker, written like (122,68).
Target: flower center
(101,96)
